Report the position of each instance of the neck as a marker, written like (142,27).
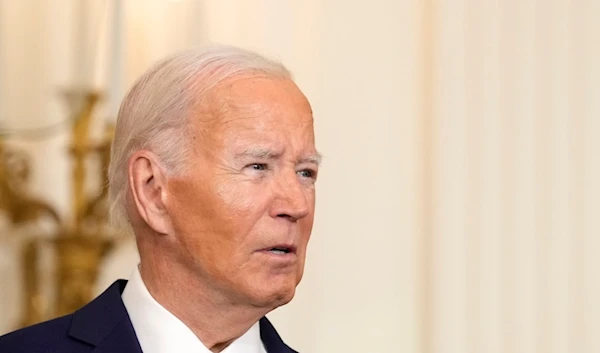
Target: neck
(216,321)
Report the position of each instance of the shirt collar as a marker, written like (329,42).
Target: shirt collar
(159,331)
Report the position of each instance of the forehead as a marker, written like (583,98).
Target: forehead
(256,102)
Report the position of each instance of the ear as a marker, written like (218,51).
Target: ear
(147,181)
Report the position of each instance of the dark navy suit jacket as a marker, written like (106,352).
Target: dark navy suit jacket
(102,326)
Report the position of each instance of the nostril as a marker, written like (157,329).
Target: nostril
(285,215)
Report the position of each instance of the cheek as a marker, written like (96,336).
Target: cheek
(244,203)
(306,224)
(217,218)
(200,223)
(235,200)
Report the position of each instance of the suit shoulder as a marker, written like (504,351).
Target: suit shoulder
(47,337)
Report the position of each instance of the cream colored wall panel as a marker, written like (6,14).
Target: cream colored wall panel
(449,135)
(518,88)
(554,120)
(511,65)
(587,92)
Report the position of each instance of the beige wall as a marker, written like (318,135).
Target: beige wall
(456,206)
(515,138)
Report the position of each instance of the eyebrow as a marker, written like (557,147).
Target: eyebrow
(268,154)
(259,153)
(314,158)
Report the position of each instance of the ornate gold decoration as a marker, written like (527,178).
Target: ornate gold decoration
(14,197)
(82,240)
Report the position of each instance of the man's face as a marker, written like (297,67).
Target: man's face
(244,213)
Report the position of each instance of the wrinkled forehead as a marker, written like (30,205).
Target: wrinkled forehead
(254,100)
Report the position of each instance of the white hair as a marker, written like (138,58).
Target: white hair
(154,113)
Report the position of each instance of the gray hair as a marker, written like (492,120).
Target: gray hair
(154,113)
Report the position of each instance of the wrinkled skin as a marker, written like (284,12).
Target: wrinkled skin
(250,187)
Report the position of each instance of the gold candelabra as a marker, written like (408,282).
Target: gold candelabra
(81,240)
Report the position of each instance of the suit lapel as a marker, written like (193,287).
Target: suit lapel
(270,338)
(104,323)
(121,339)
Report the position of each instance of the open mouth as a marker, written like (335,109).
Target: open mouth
(280,251)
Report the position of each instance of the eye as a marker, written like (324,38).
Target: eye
(258,166)
(307,173)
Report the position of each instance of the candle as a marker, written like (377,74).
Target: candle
(115,91)
(79,53)
(2,78)
(100,55)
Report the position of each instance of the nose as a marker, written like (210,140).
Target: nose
(290,200)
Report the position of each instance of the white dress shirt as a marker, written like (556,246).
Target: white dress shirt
(159,331)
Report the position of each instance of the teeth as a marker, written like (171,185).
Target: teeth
(278,252)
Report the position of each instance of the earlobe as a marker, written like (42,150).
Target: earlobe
(147,182)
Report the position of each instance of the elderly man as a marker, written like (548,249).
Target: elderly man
(213,169)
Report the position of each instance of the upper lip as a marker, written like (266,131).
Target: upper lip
(290,248)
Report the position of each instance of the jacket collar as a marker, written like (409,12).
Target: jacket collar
(104,323)
(271,340)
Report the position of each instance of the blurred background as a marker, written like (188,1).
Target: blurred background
(458,202)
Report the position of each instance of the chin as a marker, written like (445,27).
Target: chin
(273,296)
